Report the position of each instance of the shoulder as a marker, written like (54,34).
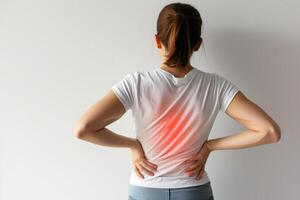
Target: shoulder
(134,76)
(216,78)
(206,76)
(134,79)
(222,81)
(140,75)
(213,79)
(137,74)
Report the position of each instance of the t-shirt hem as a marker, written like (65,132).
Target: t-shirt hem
(166,182)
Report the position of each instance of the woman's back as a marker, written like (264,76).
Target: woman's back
(173,117)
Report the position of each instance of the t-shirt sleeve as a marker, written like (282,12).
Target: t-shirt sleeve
(226,91)
(124,90)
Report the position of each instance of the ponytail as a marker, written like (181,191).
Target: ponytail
(179,29)
(179,46)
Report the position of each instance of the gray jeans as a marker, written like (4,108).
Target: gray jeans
(199,192)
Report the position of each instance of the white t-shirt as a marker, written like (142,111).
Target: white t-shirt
(173,117)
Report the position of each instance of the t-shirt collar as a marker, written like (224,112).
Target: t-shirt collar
(192,71)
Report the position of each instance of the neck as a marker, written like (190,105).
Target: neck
(185,68)
(177,71)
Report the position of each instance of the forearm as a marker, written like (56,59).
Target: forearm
(244,139)
(106,137)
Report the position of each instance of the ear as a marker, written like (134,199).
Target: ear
(158,42)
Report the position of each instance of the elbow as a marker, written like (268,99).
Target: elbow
(80,130)
(274,133)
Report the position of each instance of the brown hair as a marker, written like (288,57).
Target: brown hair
(179,29)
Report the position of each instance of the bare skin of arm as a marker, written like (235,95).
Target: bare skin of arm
(91,128)
(261,128)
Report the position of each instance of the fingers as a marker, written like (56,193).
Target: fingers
(196,166)
(199,170)
(146,168)
(154,166)
(137,171)
(187,161)
(199,175)
(195,158)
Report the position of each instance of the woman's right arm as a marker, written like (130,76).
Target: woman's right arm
(261,128)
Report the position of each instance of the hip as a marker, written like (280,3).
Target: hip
(198,192)
(161,181)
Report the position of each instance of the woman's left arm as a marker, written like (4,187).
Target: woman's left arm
(91,126)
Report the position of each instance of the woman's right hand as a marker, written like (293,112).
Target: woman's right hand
(198,161)
(139,161)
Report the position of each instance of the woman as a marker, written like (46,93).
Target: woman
(174,108)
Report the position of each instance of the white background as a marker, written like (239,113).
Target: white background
(58,57)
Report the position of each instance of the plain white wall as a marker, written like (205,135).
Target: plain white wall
(57,58)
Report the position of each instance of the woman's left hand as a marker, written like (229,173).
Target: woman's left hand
(139,161)
(198,161)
